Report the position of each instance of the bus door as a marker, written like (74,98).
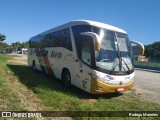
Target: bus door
(83,65)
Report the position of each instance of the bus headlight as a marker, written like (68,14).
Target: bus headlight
(104,79)
(107,78)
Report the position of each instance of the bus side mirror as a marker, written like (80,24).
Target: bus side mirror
(135,46)
(96,38)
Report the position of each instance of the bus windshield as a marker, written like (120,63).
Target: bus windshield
(115,54)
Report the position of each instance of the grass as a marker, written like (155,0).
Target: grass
(57,97)
(8,100)
(151,64)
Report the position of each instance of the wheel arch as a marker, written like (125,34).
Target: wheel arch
(63,70)
(33,63)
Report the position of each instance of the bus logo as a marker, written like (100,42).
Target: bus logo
(56,54)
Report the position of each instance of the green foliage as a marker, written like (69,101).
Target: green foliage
(17,45)
(3,46)
(2,37)
(25,44)
(151,64)
(14,46)
(153,50)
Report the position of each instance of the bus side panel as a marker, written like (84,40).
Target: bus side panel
(60,58)
(33,57)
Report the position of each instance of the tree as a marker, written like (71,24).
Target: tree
(25,44)
(153,50)
(3,46)
(16,45)
(2,37)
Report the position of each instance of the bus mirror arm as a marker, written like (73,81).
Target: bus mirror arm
(139,44)
(96,38)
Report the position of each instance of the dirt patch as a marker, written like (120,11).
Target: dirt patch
(91,101)
(17,61)
(21,59)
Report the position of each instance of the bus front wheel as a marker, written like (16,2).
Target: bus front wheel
(66,77)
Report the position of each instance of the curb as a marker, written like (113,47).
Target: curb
(149,70)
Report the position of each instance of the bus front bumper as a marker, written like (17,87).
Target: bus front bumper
(98,87)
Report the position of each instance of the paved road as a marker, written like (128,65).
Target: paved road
(147,85)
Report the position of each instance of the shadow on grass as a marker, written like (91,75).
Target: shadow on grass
(33,79)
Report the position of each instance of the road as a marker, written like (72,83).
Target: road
(147,85)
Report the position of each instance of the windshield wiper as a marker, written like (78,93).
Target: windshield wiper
(120,59)
(114,68)
(129,71)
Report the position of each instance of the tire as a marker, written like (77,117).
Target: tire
(33,65)
(66,78)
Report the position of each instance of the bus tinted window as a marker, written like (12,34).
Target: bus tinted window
(77,30)
(35,42)
(66,39)
(59,38)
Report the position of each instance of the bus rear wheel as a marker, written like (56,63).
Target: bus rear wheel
(34,65)
(66,78)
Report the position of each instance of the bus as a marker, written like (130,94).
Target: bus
(93,56)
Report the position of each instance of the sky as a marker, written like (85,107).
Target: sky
(22,19)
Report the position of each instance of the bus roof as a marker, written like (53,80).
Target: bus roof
(85,22)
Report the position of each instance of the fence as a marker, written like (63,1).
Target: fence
(152,64)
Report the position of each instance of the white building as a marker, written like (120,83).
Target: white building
(24,50)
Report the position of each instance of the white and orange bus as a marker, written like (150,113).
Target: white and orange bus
(92,56)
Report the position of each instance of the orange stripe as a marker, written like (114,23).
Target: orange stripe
(42,66)
(47,63)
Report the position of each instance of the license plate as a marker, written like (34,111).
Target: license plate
(120,89)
